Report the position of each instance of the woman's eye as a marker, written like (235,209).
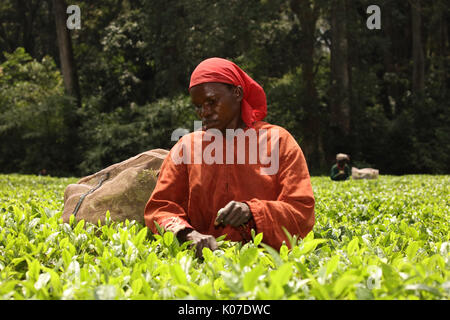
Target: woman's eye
(207,103)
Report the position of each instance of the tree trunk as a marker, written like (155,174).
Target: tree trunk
(418,74)
(68,67)
(70,78)
(312,144)
(340,102)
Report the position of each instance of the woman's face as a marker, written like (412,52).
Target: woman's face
(218,105)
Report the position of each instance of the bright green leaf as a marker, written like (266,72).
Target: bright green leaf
(168,238)
(248,257)
(332,264)
(258,238)
(353,246)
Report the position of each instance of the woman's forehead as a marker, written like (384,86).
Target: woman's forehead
(208,89)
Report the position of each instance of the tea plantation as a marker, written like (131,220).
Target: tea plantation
(377,239)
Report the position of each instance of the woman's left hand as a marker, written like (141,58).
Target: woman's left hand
(234,213)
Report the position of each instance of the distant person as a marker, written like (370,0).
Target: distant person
(340,170)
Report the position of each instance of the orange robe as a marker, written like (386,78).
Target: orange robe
(190,194)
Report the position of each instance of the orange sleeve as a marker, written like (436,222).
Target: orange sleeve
(168,203)
(294,207)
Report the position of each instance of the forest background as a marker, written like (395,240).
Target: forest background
(380,95)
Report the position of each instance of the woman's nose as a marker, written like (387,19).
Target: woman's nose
(205,110)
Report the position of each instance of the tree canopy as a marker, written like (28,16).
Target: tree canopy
(380,95)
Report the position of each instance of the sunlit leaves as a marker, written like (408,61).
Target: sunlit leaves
(386,239)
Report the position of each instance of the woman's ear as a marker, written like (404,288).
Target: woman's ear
(238,92)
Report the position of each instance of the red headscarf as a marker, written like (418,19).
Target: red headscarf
(253,105)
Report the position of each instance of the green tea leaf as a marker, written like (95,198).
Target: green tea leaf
(311,245)
(178,274)
(168,238)
(282,275)
(412,250)
(33,269)
(276,291)
(258,238)
(248,257)
(207,254)
(136,286)
(284,250)
(159,228)
(353,246)
(332,264)
(140,237)
(274,254)
(346,281)
(251,277)
(67,257)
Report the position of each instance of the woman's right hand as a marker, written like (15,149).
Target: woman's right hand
(199,241)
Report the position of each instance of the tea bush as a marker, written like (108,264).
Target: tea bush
(377,239)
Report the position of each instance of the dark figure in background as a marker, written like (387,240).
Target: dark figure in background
(340,171)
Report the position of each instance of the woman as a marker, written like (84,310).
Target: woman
(204,192)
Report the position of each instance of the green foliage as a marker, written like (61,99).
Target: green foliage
(134,59)
(113,137)
(34,116)
(381,239)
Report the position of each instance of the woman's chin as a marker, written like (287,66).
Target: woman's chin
(211,125)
